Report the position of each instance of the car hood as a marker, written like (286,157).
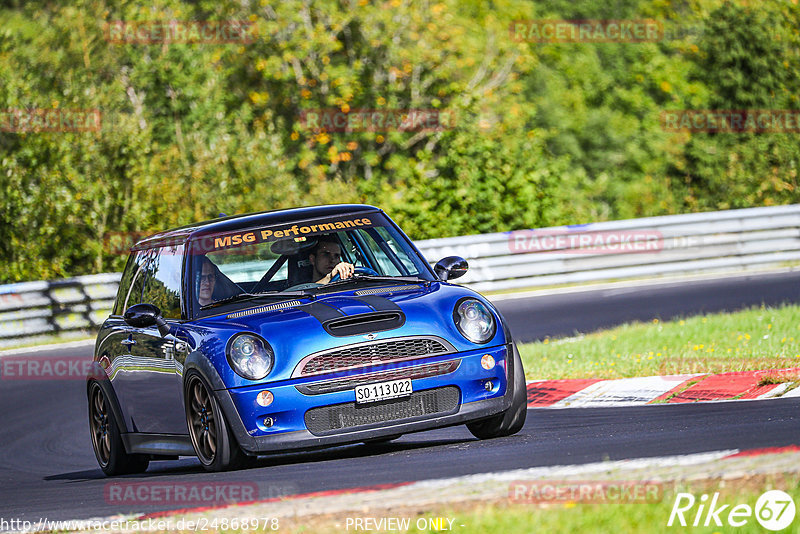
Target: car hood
(297,329)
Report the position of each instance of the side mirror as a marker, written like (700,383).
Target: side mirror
(450,268)
(144,316)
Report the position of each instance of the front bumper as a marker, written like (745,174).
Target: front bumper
(292,403)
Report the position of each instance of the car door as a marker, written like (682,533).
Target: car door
(154,386)
(118,341)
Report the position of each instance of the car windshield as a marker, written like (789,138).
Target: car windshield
(231,270)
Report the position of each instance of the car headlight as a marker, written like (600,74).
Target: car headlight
(250,356)
(474,320)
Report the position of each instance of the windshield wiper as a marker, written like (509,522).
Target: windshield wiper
(281,294)
(373,278)
(253,296)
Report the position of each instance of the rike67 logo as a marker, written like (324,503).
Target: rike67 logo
(774,510)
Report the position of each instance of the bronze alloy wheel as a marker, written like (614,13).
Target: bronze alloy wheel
(106,437)
(202,421)
(212,438)
(101,431)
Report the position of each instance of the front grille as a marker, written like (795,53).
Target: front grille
(371,353)
(350,382)
(329,419)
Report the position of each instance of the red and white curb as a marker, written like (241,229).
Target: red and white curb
(592,393)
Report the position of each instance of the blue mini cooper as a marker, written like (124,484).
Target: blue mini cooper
(293,329)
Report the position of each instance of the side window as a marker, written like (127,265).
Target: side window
(385,264)
(162,285)
(131,284)
(397,250)
(350,252)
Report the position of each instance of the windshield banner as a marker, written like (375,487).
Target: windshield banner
(298,232)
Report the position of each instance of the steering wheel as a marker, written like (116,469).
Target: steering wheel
(357,270)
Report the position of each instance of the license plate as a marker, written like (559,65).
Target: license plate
(383,390)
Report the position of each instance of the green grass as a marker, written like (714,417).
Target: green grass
(608,518)
(44,340)
(584,518)
(758,338)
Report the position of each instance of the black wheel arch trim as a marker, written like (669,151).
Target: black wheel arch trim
(98,376)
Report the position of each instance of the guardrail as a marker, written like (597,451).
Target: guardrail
(35,308)
(734,240)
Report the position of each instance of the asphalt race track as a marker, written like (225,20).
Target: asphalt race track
(566,314)
(48,470)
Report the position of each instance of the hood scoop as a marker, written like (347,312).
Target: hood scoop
(363,323)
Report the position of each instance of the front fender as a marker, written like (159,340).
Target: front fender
(197,362)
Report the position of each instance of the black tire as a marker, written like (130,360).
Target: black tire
(214,443)
(106,439)
(512,420)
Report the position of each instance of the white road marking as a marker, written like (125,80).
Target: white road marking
(622,392)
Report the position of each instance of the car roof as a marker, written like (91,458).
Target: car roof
(182,234)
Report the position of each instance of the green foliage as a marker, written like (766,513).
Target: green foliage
(542,134)
(747,59)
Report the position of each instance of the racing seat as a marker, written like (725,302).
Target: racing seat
(300,269)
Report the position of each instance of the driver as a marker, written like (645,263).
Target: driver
(326,259)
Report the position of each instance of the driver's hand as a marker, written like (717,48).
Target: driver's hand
(343,269)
